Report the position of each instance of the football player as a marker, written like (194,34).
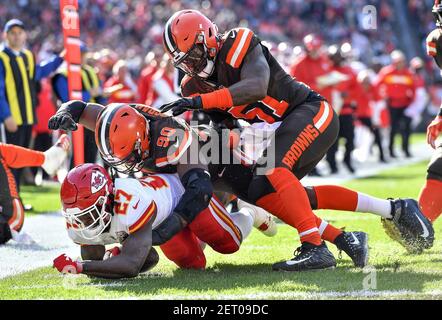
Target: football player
(234,76)
(134,137)
(11,207)
(128,211)
(430,197)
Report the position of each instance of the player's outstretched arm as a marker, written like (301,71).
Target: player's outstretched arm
(73,112)
(129,262)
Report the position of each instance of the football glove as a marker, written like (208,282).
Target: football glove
(182,105)
(67,116)
(65,265)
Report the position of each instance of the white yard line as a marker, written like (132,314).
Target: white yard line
(361,294)
(52,240)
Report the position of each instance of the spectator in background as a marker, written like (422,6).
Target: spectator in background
(92,92)
(311,65)
(346,88)
(367,99)
(120,88)
(397,84)
(145,81)
(421,98)
(162,87)
(19,74)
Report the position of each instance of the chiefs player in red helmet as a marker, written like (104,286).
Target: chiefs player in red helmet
(128,211)
(430,196)
(233,76)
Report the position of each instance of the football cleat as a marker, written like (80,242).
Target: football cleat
(262,220)
(409,226)
(308,257)
(355,245)
(56,155)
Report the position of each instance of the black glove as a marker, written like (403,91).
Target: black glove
(182,105)
(67,116)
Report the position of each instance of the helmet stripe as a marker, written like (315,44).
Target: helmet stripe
(107,117)
(169,38)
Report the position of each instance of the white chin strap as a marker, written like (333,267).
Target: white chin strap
(208,70)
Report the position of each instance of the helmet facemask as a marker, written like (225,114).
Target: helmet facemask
(92,221)
(132,163)
(197,61)
(437,13)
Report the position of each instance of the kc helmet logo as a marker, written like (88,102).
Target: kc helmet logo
(98,181)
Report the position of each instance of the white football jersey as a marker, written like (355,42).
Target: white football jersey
(136,201)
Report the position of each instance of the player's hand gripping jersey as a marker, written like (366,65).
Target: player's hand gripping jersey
(136,202)
(284,93)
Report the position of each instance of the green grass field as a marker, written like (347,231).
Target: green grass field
(247,274)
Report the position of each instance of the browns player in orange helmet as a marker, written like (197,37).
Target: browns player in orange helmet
(430,198)
(233,76)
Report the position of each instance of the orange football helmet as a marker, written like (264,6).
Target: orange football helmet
(192,42)
(122,137)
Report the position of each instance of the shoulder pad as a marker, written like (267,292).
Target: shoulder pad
(237,43)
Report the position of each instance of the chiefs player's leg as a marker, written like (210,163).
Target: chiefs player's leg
(430,198)
(184,249)
(11,207)
(222,231)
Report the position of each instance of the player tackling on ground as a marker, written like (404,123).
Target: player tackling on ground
(128,211)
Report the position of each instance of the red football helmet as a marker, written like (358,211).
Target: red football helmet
(191,40)
(122,137)
(86,198)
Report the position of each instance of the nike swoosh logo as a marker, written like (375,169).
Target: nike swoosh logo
(426,232)
(136,206)
(293,262)
(222,172)
(356,239)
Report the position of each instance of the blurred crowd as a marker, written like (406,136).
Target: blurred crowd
(350,65)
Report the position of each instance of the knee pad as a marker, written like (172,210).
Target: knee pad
(434,171)
(5,231)
(311,194)
(259,187)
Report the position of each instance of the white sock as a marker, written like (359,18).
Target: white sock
(374,205)
(243,219)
